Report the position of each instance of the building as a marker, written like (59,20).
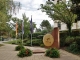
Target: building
(57,1)
(62,26)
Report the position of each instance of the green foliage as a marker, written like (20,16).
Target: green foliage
(62,41)
(38,35)
(35,42)
(69,40)
(6,8)
(17,41)
(77,38)
(38,30)
(47,52)
(63,36)
(19,47)
(26,25)
(59,12)
(75,32)
(78,41)
(73,47)
(28,52)
(53,53)
(42,45)
(45,24)
(24,52)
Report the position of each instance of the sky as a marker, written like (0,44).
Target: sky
(30,7)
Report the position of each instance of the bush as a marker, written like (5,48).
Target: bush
(47,52)
(35,42)
(78,41)
(24,52)
(75,32)
(19,47)
(37,35)
(69,40)
(17,41)
(28,52)
(62,41)
(63,35)
(53,53)
(73,47)
(42,45)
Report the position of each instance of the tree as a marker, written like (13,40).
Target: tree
(27,25)
(6,8)
(59,12)
(38,30)
(76,8)
(46,24)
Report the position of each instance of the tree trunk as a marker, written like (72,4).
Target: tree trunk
(69,29)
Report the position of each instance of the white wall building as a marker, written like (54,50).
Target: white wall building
(63,26)
(55,1)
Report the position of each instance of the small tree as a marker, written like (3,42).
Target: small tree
(46,24)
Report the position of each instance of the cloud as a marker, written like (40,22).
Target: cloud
(29,7)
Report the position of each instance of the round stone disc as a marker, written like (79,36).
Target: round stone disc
(48,40)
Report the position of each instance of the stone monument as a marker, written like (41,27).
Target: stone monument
(52,40)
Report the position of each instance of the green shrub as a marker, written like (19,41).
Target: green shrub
(40,36)
(42,45)
(37,35)
(69,40)
(28,52)
(62,41)
(73,47)
(47,52)
(63,35)
(53,53)
(17,41)
(35,42)
(19,47)
(78,41)
(24,52)
(75,32)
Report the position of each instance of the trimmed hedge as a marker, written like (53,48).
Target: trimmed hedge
(37,35)
(35,42)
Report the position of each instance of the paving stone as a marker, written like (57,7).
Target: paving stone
(7,52)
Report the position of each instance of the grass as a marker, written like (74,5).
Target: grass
(18,41)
